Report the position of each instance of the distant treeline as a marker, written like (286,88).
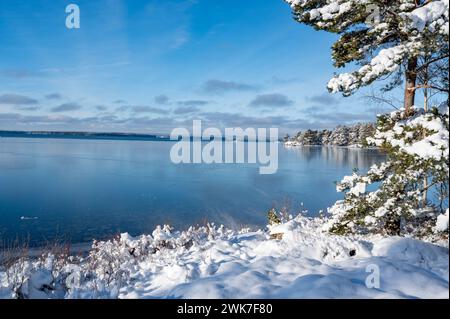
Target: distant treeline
(104,136)
(340,136)
(83,135)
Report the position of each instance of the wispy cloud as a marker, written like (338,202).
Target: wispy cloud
(221,87)
(343,117)
(323,99)
(271,101)
(164,124)
(181,37)
(53,96)
(284,123)
(375,110)
(148,109)
(27,108)
(186,110)
(19,74)
(101,108)
(15,99)
(170,22)
(322,114)
(122,108)
(162,99)
(275,80)
(67,107)
(194,103)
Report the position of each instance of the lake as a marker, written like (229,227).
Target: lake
(80,189)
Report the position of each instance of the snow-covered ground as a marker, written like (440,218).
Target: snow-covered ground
(212,262)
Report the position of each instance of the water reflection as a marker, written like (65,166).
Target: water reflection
(85,189)
(341,156)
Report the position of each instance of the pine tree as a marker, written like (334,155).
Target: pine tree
(384,37)
(340,136)
(325,137)
(408,41)
(417,148)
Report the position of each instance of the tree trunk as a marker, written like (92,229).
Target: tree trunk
(410,91)
(425,107)
(425,96)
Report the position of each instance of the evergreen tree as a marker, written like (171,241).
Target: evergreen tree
(340,136)
(384,37)
(407,40)
(417,148)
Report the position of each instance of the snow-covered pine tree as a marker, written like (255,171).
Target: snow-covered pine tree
(410,40)
(340,136)
(311,137)
(384,37)
(325,137)
(417,148)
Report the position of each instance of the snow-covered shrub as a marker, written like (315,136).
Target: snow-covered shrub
(36,278)
(213,262)
(417,148)
(16,275)
(108,267)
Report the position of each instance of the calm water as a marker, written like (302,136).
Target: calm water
(85,189)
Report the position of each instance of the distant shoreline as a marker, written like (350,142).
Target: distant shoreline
(85,135)
(135,137)
(93,136)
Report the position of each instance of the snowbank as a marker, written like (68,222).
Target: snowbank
(213,262)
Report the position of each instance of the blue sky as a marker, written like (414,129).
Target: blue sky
(153,65)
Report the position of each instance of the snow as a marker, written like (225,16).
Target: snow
(214,262)
(385,62)
(412,25)
(330,10)
(442,223)
(433,15)
(358,189)
(343,82)
(433,146)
